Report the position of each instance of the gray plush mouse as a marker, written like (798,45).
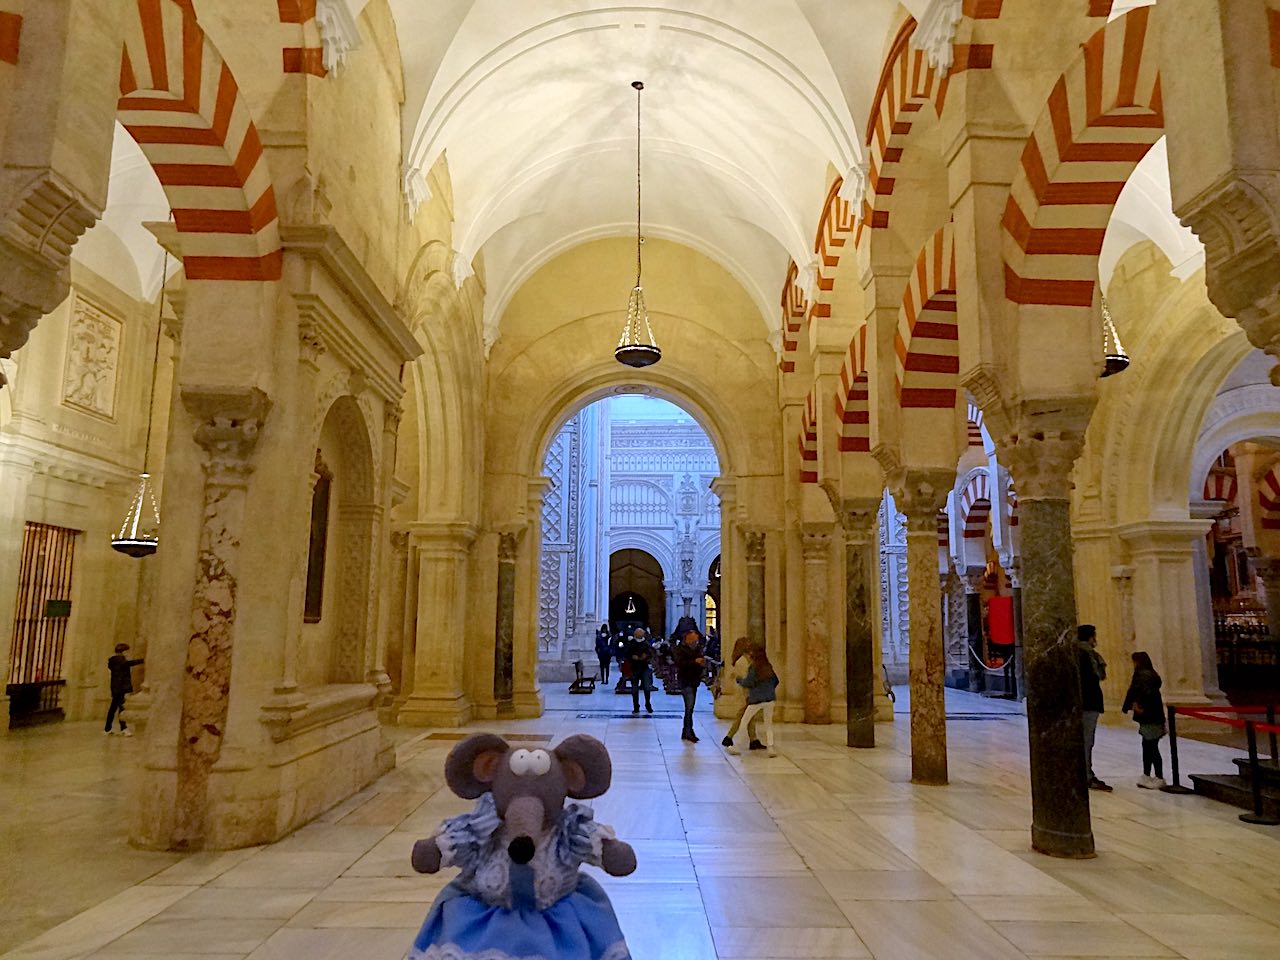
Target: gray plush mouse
(519,852)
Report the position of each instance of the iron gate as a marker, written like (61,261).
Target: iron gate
(40,625)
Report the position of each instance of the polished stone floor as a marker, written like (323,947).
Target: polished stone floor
(821,852)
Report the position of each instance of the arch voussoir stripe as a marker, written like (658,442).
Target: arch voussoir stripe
(202,144)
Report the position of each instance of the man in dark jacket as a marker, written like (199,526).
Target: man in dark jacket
(640,661)
(690,661)
(1093,670)
(121,668)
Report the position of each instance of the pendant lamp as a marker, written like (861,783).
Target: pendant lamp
(1116,360)
(636,347)
(631,605)
(139,535)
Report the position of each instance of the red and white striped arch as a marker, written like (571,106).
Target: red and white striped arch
(1220,485)
(853,403)
(794,309)
(1102,116)
(809,440)
(927,343)
(973,425)
(180,102)
(975,506)
(835,229)
(1269,498)
(944,532)
(1012,500)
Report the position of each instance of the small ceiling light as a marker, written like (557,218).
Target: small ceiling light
(1116,360)
(139,535)
(631,605)
(637,347)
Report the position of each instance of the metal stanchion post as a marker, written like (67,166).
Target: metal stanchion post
(1271,734)
(1255,782)
(1176,786)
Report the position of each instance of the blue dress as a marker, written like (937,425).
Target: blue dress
(500,910)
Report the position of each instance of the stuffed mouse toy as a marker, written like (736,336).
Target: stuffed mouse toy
(520,893)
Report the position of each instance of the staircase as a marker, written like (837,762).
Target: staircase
(1237,789)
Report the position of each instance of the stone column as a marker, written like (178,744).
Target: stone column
(861,621)
(1041,467)
(919,496)
(816,548)
(439,698)
(973,628)
(1014,570)
(394,625)
(1268,570)
(228,425)
(504,636)
(15,475)
(755,552)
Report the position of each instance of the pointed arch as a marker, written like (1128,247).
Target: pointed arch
(180,102)
(853,406)
(809,440)
(1269,498)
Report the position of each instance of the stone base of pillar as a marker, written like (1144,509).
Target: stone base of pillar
(436,711)
(259,797)
(884,708)
(528,704)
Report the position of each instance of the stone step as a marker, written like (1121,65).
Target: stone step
(1268,770)
(1227,788)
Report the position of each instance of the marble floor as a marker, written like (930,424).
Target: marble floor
(816,854)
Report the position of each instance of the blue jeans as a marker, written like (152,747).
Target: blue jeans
(1090,731)
(690,695)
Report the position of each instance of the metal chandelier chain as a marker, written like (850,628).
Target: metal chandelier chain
(155,363)
(639,86)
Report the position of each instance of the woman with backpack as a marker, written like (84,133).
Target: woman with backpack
(1148,713)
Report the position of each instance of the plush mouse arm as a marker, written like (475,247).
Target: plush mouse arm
(426,856)
(616,857)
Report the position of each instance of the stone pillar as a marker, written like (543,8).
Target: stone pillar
(504,635)
(816,548)
(973,628)
(439,698)
(1166,618)
(1014,570)
(228,424)
(919,496)
(394,625)
(755,552)
(861,621)
(1060,824)
(15,475)
(526,696)
(1268,571)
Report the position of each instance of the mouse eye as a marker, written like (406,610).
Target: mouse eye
(520,763)
(539,762)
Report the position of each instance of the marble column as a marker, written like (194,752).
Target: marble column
(504,635)
(861,621)
(755,552)
(816,548)
(973,628)
(439,698)
(1060,822)
(919,497)
(228,424)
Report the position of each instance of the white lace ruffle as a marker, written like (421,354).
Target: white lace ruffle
(451,951)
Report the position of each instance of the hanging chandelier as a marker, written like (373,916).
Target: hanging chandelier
(631,605)
(636,347)
(139,535)
(1115,359)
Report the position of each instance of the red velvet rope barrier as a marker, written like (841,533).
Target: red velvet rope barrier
(1213,714)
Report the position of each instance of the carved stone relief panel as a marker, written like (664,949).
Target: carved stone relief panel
(93,360)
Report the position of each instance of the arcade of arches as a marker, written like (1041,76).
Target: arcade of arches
(338,273)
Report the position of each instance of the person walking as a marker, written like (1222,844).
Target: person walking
(604,651)
(121,669)
(1144,699)
(690,660)
(1093,670)
(761,683)
(640,660)
(739,664)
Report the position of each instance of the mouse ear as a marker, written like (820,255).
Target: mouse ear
(586,765)
(473,763)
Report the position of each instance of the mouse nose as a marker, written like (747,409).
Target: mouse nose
(521,849)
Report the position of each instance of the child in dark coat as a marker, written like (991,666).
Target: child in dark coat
(121,668)
(1148,712)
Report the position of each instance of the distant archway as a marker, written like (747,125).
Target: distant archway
(636,593)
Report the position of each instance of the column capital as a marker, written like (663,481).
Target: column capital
(228,423)
(509,542)
(1169,537)
(919,496)
(755,543)
(1041,463)
(537,489)
(442,538)
(858,518)
(815,541)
